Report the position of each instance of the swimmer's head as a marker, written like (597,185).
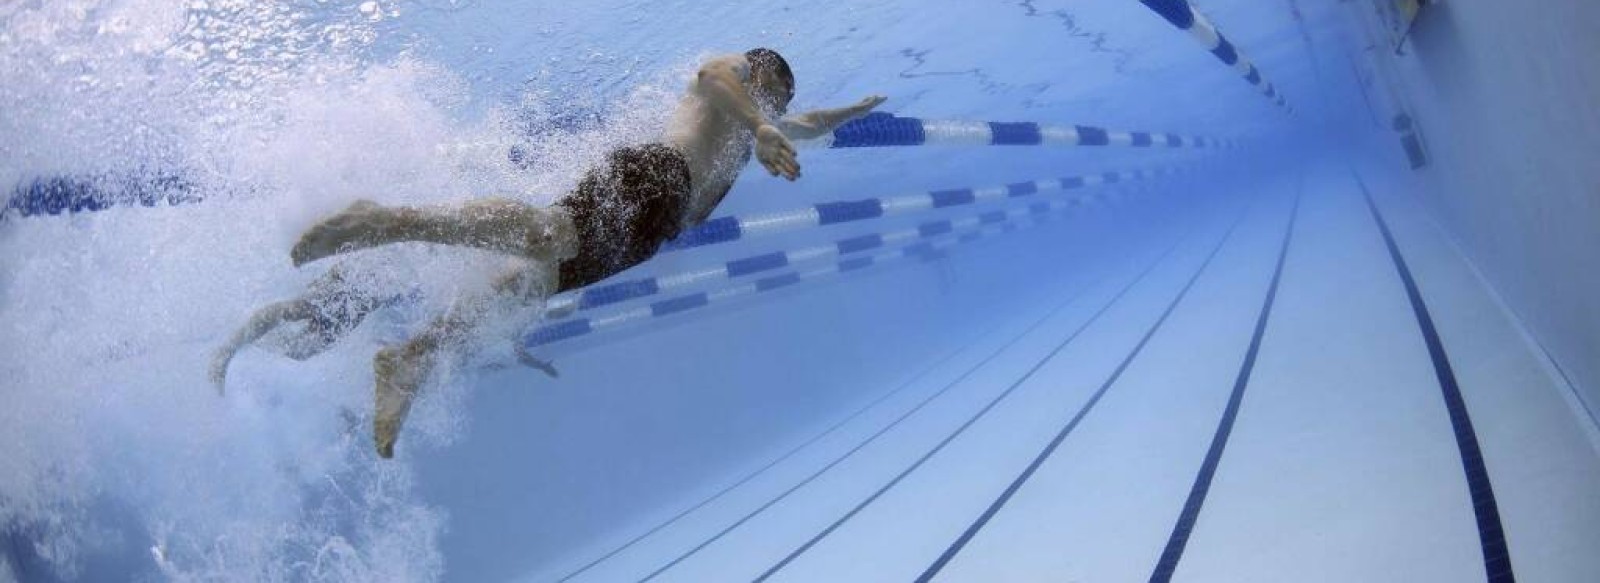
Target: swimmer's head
(771,80)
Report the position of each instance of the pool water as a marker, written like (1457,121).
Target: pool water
(1079,302)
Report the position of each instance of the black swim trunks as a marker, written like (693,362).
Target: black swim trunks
(624,210)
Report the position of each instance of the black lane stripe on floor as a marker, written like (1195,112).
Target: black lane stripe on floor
(1492,537)
(919,406)
(1027,473)
(969,422)
(1179,538)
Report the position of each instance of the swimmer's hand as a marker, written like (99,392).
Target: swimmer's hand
(776,153)
(865,106)
(528,359)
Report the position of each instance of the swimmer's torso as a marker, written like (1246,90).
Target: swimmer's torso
(716,146)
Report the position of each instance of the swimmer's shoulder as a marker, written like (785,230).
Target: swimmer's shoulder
(732,62)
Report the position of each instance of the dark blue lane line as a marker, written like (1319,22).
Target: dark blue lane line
(1491,536)
(1208,469)
(929,399)
(970,421)
(780,459)
(1016,484)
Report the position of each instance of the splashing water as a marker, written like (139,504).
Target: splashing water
(118,457)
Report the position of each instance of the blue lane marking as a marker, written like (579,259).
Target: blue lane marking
(944,198)
(923,250)
(679,304)
(558,332)
(1071,182)
(934,228)
(1093,136)
(1016,484)
(1015,134)
(1226,52)
(749,265)
(1174,141)
(718,230)
(1179,538)
(1021,188)
(973,419)
(1142,139)
(840,212)
(1491,536)
(1254,77)
(75,194)
(777,281)
(880,129)
(595,297)
(1175,11)
(854,264)
(861,243)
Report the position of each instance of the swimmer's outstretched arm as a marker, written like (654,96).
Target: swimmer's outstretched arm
(263,321)
(721,82)
(820,122)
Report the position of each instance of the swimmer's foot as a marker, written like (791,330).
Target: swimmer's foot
(218,372)
(399,371)
(355,227)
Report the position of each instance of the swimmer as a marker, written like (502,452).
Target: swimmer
(332,306)
(617,217)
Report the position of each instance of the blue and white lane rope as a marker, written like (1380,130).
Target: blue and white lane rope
(606,294)
(51,196)
(880,129)
(1015,218)
(734,228)
(1183,16)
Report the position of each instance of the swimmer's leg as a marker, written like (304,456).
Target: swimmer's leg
(263,321)
(313,342)
(544,234)
(399,371)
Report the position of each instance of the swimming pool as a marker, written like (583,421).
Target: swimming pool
(1104,291)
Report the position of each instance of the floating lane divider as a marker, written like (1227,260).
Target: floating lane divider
(607,294)
(1014,219)
(1183,16)
(734,228)
(880,129)
(56,195)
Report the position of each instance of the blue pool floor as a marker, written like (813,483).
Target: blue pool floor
(1342,463)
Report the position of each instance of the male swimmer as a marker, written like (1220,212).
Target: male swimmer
(617,217)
